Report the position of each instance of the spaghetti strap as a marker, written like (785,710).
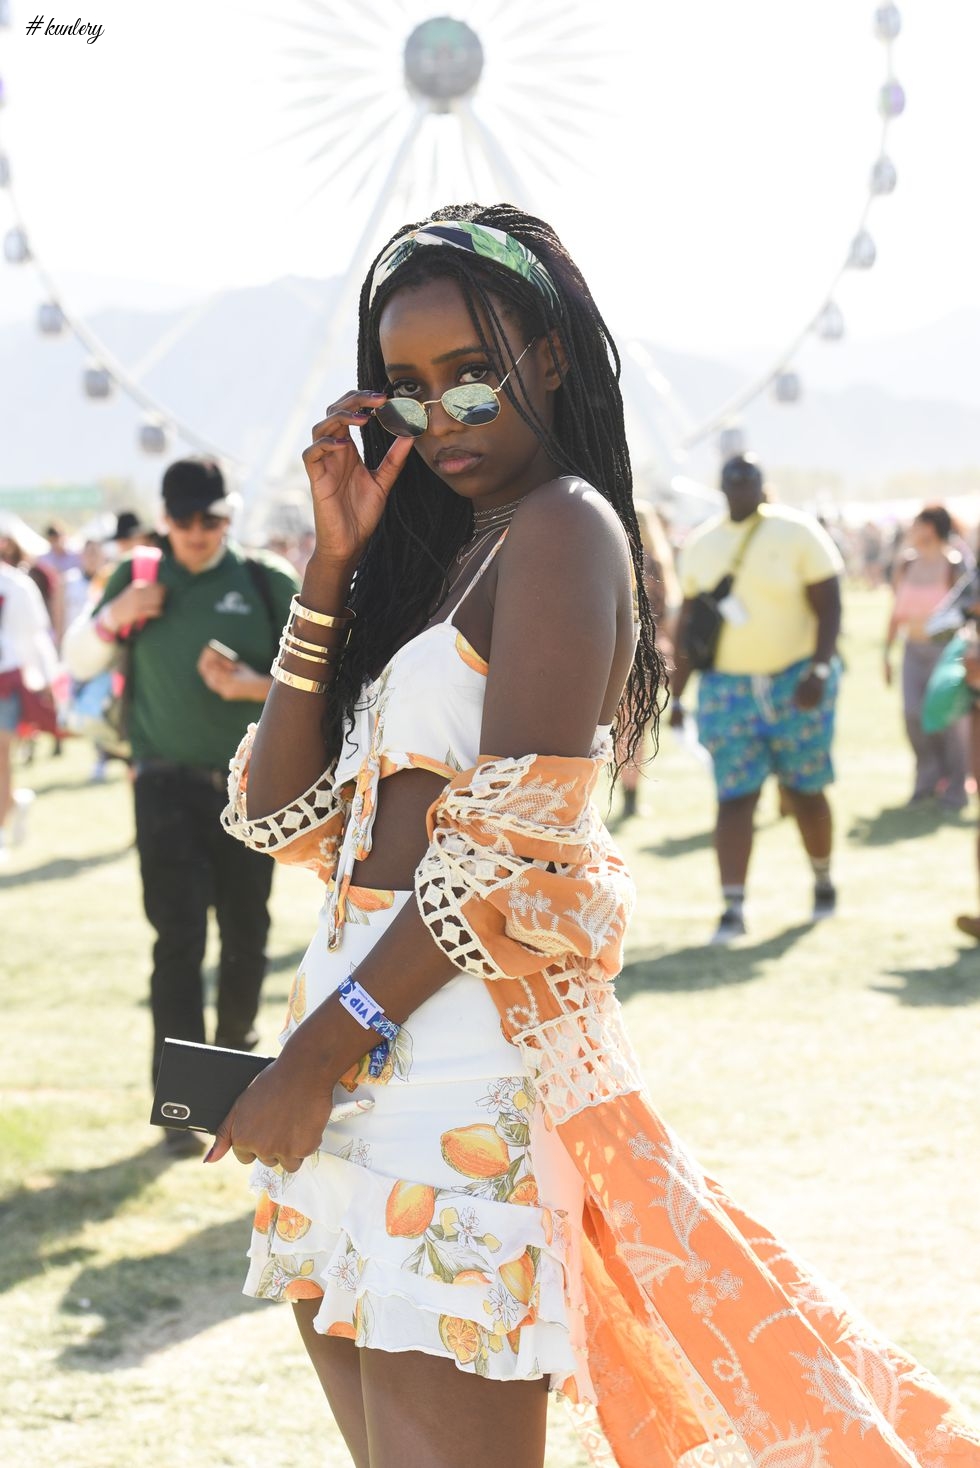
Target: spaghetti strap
(494,549)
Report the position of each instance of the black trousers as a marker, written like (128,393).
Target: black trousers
(188,865)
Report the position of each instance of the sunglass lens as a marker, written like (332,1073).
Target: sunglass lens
(473,403)
(403,417)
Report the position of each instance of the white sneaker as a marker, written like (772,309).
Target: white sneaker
(22,800)
(731,926)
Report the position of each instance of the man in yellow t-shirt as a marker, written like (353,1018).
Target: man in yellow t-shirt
(766,706)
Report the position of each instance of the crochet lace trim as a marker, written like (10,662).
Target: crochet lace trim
(582,1056)
(316,807)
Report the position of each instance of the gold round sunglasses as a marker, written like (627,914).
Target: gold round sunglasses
(473,403)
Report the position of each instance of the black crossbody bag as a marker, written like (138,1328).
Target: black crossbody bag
(704,620)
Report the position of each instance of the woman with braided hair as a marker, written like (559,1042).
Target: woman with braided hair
(462,1187)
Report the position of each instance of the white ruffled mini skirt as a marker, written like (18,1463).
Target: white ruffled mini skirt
(445,1218)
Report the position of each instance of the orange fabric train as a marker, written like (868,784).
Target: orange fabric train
(710,1346)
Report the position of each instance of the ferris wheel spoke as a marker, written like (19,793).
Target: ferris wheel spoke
(317,99)
(334,121)
(362,145)
(166,343)
(501,165)
(572,36)
(321,7)
(564,122)
(496,8)
(542,18)
(547,148)
(327,73)
(556,69)
(357,20)
(272,472)
(535,60)
(322,69)
(321,32)
(564,108)
(644,359)
(564,103)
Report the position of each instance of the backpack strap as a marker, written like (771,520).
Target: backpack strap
(260,580)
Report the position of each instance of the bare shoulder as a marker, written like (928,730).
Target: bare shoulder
(565,520)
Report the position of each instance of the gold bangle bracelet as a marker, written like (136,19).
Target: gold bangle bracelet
(289,639)
(291,680)
(320,619)
(337,646)
(285,651)
(290,636)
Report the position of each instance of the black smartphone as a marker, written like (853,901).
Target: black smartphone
(199,1084)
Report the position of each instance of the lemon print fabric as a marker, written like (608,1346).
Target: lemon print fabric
(435,1220)
(469,1265)
(494,1155)
(296,1003)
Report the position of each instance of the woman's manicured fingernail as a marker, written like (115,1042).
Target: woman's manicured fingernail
(210,1153)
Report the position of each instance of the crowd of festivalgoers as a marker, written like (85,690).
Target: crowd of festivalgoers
(752,717)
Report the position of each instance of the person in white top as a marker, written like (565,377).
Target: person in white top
(27,659)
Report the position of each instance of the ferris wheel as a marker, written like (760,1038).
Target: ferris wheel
(431,97)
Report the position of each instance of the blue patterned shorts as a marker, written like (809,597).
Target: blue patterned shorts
(752,728)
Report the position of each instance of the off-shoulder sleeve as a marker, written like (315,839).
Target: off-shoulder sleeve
(520,874)
(307,832)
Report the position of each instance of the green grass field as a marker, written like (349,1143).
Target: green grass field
(827,1075)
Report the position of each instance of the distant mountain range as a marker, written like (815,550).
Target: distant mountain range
(235,371)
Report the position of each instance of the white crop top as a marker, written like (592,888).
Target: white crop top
(424,712)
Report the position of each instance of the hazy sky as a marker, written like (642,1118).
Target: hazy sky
(709,211)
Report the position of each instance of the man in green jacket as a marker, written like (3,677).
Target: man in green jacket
(189,706)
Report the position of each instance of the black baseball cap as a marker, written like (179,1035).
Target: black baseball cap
(128,524)
(196,486)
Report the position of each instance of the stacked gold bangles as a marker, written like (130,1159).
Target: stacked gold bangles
(317,654)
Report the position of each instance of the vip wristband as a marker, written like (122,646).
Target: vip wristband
(370,1016)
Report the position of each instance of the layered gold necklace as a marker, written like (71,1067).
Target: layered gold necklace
(486,523)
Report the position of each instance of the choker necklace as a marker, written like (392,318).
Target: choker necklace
(482,529)
(497,515)
(494,520)
(485,522)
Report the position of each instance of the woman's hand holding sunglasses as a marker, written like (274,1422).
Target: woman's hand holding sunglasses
(348,498)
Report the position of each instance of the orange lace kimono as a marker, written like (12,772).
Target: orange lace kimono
(710,1346)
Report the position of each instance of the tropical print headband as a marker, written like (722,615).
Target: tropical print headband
(479,239)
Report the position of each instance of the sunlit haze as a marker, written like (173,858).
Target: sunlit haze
(710,210)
